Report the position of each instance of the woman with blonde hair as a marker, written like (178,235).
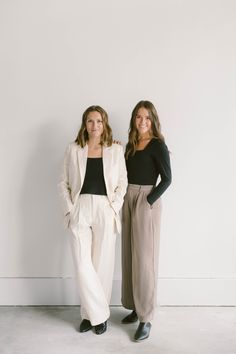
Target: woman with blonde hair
(92,187)
(149,175)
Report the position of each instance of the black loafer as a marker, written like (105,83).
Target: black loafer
(85,326)
(142,331)
(101,328)
(131,318)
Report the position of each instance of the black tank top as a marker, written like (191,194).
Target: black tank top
(94,182)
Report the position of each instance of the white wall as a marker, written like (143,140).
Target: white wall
(57,58)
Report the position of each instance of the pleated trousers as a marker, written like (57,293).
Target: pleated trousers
(140,251)
(93,247)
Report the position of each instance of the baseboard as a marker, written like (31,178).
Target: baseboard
(171,291)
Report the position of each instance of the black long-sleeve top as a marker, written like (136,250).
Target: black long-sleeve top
(146,165)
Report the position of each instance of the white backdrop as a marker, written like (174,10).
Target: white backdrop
(57,58)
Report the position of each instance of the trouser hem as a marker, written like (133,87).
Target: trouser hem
(97,321)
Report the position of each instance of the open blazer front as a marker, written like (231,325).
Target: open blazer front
(73,174)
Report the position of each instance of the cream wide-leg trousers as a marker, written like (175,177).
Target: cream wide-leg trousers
(93,247)
(140,251)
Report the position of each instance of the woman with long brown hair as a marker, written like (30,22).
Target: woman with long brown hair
(149,175)
(92,187)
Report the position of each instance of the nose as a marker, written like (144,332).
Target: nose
(143,120)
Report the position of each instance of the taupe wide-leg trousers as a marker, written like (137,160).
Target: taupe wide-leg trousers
(140,251)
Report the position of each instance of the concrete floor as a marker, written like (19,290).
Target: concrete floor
(175,330)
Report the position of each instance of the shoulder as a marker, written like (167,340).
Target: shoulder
(159,146)
(116,148)
(72,147)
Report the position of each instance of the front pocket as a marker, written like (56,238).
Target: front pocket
(149,205)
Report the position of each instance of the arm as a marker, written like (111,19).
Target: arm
(162,159)
(121,187)
(63,185)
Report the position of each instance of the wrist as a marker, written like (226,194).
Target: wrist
(148,200)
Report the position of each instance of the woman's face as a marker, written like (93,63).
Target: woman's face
(143,122)
(94,124)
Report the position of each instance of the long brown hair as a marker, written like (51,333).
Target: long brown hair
(106,137)
(133,132)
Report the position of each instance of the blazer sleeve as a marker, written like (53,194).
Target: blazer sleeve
(63,185)
(120,190)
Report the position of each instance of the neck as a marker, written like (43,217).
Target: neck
(94,142)
(145,136)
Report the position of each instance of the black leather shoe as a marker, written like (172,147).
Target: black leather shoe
(101,328)
(132,317)
(142,331)
(85,326)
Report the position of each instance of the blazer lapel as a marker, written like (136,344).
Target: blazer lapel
(82,161)
(106,157)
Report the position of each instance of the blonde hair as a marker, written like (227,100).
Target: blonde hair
(133,132)
(106,137)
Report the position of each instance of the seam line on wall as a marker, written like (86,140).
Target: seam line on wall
(175,278)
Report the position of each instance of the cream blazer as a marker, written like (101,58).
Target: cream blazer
(73,174)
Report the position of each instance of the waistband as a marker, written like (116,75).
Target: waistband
(140,187)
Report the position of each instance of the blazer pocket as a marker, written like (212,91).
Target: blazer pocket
(66,221)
